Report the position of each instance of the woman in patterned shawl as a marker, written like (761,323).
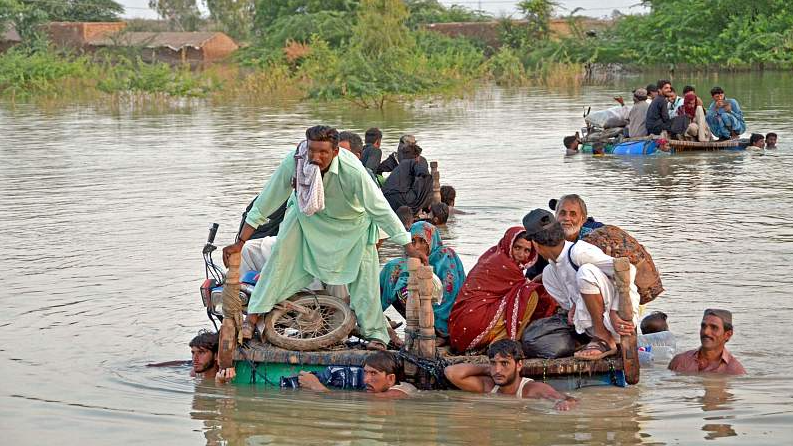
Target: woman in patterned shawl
(496,300)
(446,266)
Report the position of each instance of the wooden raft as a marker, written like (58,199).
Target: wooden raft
(534,368)
(692,146)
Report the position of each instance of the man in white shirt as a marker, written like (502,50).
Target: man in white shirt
(580,277)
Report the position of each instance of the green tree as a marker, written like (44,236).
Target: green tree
(182,15)
(234,17)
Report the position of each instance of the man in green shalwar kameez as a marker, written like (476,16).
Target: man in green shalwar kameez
(335,244)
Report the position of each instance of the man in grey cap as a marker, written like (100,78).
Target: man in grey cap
(637,115)
(712,356)
(580,277)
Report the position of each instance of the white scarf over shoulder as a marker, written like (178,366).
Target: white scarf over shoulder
(308,182)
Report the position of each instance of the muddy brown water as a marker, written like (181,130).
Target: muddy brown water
(104,214)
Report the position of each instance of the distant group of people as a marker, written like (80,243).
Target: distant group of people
(335,218)
(659,110)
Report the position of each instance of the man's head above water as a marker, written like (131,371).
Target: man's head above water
(380,372)
(204,348)
(323,145)
(571,213)
(506,361)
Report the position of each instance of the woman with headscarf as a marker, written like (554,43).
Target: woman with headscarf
(698,129)
(445,264)
(496,300)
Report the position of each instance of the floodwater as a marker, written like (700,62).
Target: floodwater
(104,213)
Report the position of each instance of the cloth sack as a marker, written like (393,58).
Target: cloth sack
(648,279)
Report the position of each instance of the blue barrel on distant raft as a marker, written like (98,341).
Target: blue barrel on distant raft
(647,147)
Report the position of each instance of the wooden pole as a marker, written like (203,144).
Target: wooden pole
(426,315)
(426,336)
(230,333)
(436,183)
(412,314)
(630,355)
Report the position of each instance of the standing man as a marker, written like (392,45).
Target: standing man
(372,155)
(502,376)
(580,277)
(329,231)
(725,117)
(658,120)
(712,356)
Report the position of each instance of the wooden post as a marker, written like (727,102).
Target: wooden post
(436,183)
(230,333)
(426,315)
(630,355)
(412,314)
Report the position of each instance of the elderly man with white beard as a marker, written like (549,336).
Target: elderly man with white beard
(572,214)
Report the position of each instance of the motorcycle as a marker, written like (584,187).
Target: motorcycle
(306,321)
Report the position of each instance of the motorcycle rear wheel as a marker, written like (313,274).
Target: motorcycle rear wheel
(329,322)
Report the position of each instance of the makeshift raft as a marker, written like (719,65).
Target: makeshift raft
(645,146)
(264,364)
(259,363)
(423,362)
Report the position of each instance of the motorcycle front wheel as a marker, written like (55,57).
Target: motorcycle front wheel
(309,322)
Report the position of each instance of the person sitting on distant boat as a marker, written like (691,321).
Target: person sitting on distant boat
(502,376)
(381,378)
(496,300)
(571,144)
(447,267)
(658,120)
(770,140)
(675,102)
(581,279)
(372,155)
(690,89)
(712,356)
(652,92)
(757,141)
(637,117)
(725,117)
(410,183)
(698,129)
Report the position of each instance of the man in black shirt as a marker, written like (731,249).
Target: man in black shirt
(658,113)
(371,151)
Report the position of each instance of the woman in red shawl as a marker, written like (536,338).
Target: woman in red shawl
(496,300)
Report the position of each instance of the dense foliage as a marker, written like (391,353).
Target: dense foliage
(724,33)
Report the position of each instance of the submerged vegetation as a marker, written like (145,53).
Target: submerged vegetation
(372,51)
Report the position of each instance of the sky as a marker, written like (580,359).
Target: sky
(592,8)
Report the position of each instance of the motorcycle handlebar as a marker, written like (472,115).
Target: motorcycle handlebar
(212,232)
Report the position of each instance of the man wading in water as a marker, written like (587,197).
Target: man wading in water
(329,232)
(502,376)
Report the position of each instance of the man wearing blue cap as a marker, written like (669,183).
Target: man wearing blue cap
(580,277)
